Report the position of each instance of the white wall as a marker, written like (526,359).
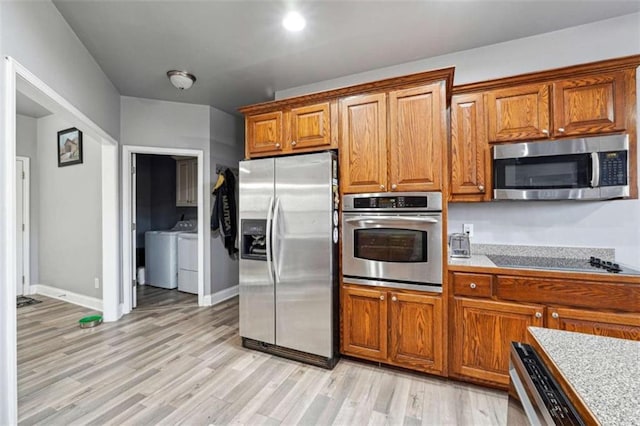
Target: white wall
(27,146)
(147,122)
(613,224)
(227,149)
(70,234)
(36,35)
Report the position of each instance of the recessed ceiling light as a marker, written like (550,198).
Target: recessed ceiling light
(293,21)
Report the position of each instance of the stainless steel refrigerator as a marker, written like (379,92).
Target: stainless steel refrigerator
(288,256)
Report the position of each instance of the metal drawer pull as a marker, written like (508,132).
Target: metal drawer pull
(555,315)
(395,299)
(481,187)
(277,145)
(473,285)
(538,315)
(561,129)
(293,143)
(381,297)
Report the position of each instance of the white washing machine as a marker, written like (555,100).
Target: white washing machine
(188,262)
(161,255)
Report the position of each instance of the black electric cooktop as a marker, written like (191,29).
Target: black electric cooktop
(592,264)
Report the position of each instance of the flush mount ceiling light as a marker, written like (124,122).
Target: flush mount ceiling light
(293,21)
(181,79)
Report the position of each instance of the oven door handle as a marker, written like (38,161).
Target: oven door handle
(371,220)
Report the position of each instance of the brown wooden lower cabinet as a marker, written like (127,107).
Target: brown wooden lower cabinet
(364,322)
(620,325)
(411,322)
(482,333)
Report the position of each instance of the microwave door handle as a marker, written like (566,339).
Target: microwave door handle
(595,170)
(269,238)
(373,219)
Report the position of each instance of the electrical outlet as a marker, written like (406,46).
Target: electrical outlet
(96,282)
(467,228)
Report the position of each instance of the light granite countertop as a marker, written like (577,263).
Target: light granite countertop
(564,259)
(603,371)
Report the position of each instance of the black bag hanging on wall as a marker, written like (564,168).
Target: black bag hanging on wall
(224,211)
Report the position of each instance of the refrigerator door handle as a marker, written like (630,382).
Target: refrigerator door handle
(274,236)
(269,238)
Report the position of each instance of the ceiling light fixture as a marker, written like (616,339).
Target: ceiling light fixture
(181,79)
(293,21)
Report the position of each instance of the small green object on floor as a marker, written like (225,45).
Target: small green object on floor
(90,321)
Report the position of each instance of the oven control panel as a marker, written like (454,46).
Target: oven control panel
(426,201)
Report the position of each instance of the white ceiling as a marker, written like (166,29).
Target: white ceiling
(241,55)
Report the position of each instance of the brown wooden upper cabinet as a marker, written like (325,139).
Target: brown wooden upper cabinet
(591,104)
(518,113)
(265,133)
(586,105)
(470,154)
(401,151)
(302,129)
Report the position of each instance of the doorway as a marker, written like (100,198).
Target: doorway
(163,233)
(166,242)
(22,226)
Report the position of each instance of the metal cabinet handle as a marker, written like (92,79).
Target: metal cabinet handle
(277,145)
(561,129)
(293,143)
(538,314)
(481,187)
(382,187)
(394,186)
(381,297)
(395,299)
(473,285)
(555,315)
(545,131)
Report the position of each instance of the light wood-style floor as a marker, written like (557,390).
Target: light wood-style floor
(185,365)
(150,297)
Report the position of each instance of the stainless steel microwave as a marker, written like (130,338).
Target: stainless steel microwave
(595,168)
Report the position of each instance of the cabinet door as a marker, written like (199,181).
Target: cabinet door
(417,135)
(592,104)
(364,322)
(415,331)
(311,126)
(518,113)
(264,133)
(469,149)
(363,143)
(192,182)
(183,193)
(622,326)
(483,333)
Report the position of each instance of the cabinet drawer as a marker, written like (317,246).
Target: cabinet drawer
(477,285)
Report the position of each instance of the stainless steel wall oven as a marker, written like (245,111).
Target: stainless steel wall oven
(393,240)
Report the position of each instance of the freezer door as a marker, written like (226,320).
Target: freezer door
(303,253)
(257,291)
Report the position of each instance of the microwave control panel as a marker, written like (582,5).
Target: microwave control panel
(613,168)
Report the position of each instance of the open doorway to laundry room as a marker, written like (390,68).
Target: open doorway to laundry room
(166,225)
(163,230)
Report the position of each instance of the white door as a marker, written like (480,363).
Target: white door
(134,236)
(19,226)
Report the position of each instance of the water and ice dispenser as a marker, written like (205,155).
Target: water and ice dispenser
(254,239)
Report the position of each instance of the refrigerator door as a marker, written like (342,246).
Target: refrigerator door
(304,253)
(257,292)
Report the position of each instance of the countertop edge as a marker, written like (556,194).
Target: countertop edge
(579,404)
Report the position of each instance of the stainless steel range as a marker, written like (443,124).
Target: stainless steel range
(393,239)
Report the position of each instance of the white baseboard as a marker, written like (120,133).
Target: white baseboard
(67,296)
(220,296)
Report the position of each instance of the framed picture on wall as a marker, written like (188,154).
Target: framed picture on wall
(69,147)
